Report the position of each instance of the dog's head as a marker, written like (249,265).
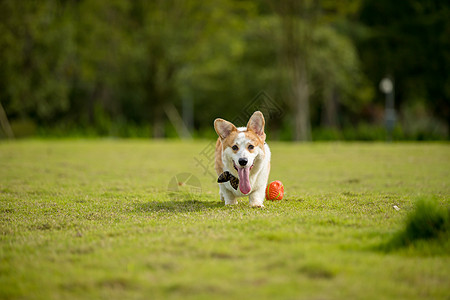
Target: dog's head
(243,147)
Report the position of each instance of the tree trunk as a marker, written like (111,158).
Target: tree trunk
(296,21)
(330,108)
(302,129)
(5,123)
(158,122)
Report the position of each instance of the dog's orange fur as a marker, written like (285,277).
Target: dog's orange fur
(218,165)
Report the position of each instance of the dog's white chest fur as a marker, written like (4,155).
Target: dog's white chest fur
(258,175)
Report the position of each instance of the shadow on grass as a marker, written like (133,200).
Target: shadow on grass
(178,205)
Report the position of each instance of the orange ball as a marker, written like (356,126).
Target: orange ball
(275,190)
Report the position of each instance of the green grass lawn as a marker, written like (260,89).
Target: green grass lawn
(94,219)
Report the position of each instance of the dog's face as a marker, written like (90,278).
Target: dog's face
(243,147)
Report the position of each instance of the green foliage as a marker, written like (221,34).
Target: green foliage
(37,50)
(406,40)
(64,61)
(335,68)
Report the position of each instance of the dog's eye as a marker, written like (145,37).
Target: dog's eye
(251,147)
(235,148)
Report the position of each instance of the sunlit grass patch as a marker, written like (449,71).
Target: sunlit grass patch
(101,219)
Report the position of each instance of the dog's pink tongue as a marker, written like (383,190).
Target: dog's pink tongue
(244,181)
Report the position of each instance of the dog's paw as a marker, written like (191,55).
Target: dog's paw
(231,202)
(257,205)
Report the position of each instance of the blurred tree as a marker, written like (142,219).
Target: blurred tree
(409,40)
(111,64)
(4,123)
(187,46)
(321,62)
(298,18)
(336,73)
(108,57)
(37,55)
(335,76)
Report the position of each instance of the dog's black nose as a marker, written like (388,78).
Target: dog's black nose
(243,161)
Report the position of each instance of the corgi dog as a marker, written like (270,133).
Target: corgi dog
(242,160)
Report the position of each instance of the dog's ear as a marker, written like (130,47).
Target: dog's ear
(256,124)
(223,128)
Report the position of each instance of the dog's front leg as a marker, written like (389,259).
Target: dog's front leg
(226,195)
(256,198)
